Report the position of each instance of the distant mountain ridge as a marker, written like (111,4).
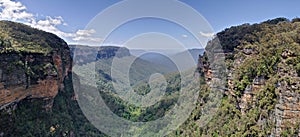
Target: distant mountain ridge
(261,97)
(86,54)
(104,56)
(165,60)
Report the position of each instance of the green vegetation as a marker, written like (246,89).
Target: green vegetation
(65,118)
(22,38)
(262,56)
(140,84)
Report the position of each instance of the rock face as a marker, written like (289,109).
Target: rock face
(29,73)
(287,109)
(263,81)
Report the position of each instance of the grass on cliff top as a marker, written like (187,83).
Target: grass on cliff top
(22,38)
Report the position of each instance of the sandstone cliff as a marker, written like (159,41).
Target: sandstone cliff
(262,95)
(33,64)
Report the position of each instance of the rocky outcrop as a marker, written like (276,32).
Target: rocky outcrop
(31,74)
(287,110)
(262,80)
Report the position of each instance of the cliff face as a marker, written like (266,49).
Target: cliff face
(88,54)
(262,95)
(287,109)
(33,64)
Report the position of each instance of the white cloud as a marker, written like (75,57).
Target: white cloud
(50,25)
(90,39)
(16,11)
(86,35)
(85,32)
(51,21)
(184,36)
(208,35)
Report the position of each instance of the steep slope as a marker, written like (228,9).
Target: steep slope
(36,90)
(261,98)
(262,94)
(33,64)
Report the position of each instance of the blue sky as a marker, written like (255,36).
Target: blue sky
(69,19)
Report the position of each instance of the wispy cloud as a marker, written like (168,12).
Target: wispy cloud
(208,35)
(86,35)
(184,36)
(16,11)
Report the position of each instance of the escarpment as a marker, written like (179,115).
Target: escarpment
(259,65)
(262,92)
(33,64)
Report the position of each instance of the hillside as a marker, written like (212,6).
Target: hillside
(22,38)
(36,92)
(140,70)
(30,62)
(262,96)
